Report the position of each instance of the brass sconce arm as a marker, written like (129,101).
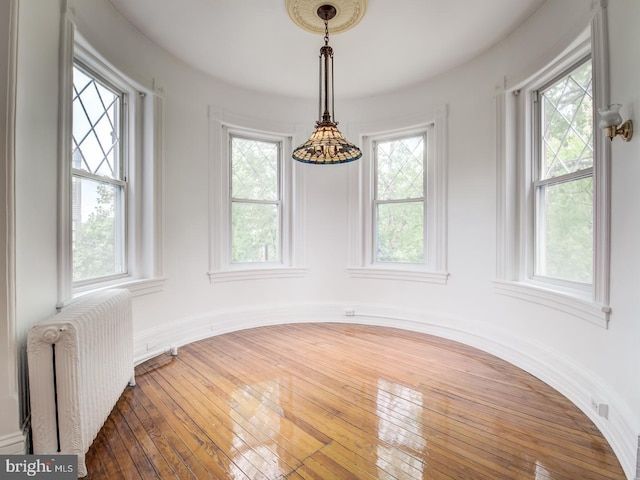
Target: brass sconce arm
(625,131)
(612,124)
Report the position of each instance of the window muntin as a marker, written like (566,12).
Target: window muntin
(99,184)
(399,197)
(563,182)
(256,200)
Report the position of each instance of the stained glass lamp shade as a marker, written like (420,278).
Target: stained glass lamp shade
(326,145)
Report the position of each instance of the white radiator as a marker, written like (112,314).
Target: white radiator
(80,361)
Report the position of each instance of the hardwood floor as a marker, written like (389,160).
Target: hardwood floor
(333,401)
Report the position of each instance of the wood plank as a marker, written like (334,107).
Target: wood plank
(520,433)
(354,420)
(211,456)
(322,401)
(232,443)
(523,426)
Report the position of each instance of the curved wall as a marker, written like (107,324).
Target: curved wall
(580,359)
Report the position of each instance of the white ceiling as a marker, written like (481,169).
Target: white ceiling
(254,44)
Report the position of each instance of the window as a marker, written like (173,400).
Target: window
(99,182)
(563,181)
(554,181)
(399,200)
(255,200)
(255,231)
(109,206)
(397,207)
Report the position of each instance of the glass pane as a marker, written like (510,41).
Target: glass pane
(96,126)
(254,232)
(567,124)
(97,229)
(400,232)
(400,169)
(254,167)
(565,231)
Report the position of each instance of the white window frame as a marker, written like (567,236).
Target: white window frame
(427,137)
(516,203)
(362,200)
(222,127)
(533,258)
(124,92)
(143,214)
(278,202)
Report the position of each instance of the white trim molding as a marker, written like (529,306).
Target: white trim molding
(573,380)
(145,172)
(514,233)
(602,150)
(578,307)
(439,278)
(136,288)
(256,274)
(638,461)
(13,395)
(13,444)
(361,198)
(65,120)
(221,126)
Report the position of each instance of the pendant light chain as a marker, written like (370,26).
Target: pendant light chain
(326,32)
(330,53)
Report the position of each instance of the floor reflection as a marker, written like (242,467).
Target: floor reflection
(542,473)
(256,426)
(399,410)
(329,401)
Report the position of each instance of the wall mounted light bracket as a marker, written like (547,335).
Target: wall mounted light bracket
(612,124)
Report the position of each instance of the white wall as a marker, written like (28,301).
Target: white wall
(578,358)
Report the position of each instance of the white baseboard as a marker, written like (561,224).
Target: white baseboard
(13,444)
(572,380)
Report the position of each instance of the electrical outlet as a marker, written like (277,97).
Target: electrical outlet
(349,312)
(601,409)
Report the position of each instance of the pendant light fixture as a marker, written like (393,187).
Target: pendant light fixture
(326,145)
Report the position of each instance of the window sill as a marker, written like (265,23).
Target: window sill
(439,278)
(573,305)
(256,274)
(137,288)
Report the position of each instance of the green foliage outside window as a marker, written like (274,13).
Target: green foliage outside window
(569,230)
(254,232)
(565,197)
(255,205)
(401,232)
(95,245)
(98,183)
(399,219)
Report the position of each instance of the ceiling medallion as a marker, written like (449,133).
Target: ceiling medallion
(348,14)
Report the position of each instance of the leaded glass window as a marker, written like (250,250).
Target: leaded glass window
(399,219)
(564,177)
(255,200)
(98,178)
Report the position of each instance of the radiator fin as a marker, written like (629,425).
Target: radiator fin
(94,362)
